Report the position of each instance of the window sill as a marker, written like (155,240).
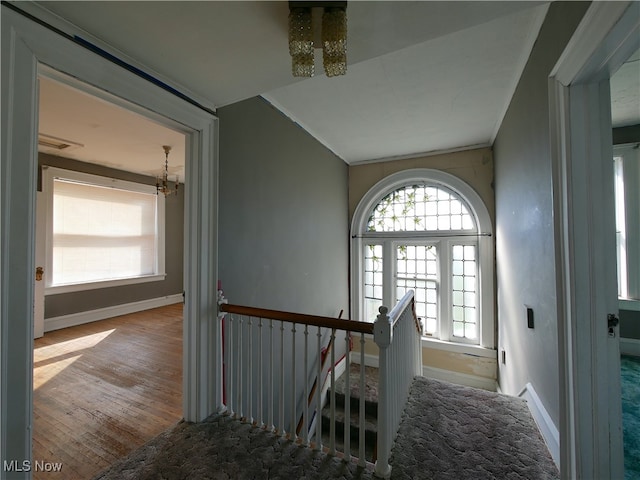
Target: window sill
(475,350)
(629,304)
(81,287)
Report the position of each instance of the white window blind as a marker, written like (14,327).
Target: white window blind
(102,233)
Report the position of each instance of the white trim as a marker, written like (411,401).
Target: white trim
(430,153)
(475,350)
(26,48)
(630,346)
(589,38)
(580,129)
(369,360)
(547,428)
(42,13)
(458,378)
(81,287)
(73,319)
(631,305)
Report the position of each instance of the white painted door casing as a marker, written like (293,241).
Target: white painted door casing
(30,50)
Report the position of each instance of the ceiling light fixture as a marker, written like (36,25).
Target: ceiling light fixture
(162,183)
(333,37)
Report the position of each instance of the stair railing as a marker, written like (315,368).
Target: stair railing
(259,341)
(398,336)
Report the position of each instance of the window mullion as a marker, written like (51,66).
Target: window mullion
(389,269)
(444,270)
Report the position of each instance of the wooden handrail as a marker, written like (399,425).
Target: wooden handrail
(328,322)
(400,307)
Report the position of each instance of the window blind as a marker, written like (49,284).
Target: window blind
(102,233)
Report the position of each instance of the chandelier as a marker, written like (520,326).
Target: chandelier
(162,183)
(303,40)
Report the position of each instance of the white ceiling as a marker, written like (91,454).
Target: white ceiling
(422,76)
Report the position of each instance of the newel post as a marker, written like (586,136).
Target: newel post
(382,335)
(224,349)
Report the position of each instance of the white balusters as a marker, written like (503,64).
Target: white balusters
(305,411)
(228,361)
(249,375)
(281,430)
(361,423)
(347,399)
(239,370)
(260,398)
(292,434)
(270,425)
(398,340)
(254,385)
(319,393)
(332,416)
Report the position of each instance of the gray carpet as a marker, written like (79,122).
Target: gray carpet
(447,431)
(222,448)
(453,432)
(630,371)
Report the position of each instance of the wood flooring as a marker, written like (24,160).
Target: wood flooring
(105,388)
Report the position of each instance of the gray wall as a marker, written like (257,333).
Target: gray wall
(68,303)
(524,219)
(283,231)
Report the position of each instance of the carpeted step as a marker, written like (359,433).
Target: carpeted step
(370,389)
(370,433)
(370,424)
(371,411)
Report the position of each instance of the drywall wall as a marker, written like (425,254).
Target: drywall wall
(475,167)
(70,303)
(283,228)
(283,214)
(524,221)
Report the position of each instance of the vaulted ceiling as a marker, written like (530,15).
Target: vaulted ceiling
(422,76)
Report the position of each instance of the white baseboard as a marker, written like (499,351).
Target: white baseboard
(369,360)
(438,373)
(546,426)
(73,319)
(630,346)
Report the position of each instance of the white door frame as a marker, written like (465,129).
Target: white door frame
(580,111)
(28,50)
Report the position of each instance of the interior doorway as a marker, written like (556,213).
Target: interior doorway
(32,47)
(100,375)
(625,116)
(589,346)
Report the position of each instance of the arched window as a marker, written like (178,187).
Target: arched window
(430,232)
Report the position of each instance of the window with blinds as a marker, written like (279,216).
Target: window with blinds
(102,229)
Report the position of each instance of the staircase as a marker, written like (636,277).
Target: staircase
(371,412)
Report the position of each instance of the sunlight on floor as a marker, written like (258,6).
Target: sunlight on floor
(59,356)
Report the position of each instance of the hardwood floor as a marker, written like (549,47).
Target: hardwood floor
(105,388)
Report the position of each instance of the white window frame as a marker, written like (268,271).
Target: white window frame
(485,248)
(49,174)
(629,168)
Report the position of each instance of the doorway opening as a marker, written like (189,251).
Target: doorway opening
(625,119)
(32,49)
(108,297)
